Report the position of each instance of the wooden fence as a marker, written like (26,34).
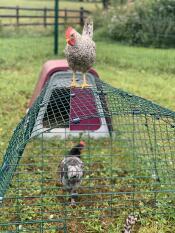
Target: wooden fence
(25,16)
(90,1)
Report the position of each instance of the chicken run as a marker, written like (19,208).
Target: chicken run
(86,151)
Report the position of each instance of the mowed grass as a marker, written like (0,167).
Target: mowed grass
(145,72)
(149,73)
(50,4)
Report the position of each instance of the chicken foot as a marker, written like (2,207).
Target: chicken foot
(85,84)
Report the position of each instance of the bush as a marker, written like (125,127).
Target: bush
(117,27)
(101,21)
(147,23)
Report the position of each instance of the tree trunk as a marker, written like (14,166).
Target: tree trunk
(105,4)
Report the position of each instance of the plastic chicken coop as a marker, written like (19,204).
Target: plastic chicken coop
(75,102)
(129,158)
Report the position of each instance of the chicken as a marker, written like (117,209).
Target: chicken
(80,51)
(71,170)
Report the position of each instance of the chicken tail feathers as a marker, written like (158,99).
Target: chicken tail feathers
(88,28)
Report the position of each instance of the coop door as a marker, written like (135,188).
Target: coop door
(83,110)
(58,109)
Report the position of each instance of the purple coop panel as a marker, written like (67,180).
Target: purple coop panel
(83,110)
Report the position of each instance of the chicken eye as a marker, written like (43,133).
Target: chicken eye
(71,36)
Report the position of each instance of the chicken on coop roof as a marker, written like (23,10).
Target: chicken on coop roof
(80,51)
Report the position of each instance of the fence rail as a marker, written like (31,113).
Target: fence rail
(26,16)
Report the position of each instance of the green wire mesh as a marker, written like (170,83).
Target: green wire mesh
(132,170)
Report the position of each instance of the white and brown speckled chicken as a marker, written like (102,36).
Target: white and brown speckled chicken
(71,170)
(80,51)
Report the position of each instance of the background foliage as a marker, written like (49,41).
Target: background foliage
(147,23)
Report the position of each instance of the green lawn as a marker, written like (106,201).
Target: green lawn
(50,3)
(149,73)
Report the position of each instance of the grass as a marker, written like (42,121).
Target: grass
(145,72)
(37,176)
(50,4)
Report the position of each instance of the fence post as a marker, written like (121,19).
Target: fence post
(56,27)
(45,17)
(17,15)
(81,16)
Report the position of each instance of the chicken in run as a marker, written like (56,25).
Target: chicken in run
(80,51)
(71,170)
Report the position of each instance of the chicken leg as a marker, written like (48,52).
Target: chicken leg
(73,203)
(85,84)
(73,197)
(74,83)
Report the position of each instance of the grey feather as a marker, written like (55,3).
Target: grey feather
(71,170)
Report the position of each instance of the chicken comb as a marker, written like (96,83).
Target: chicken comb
(82,143)
(68,31)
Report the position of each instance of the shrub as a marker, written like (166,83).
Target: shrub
(147,23)
(158,23)
(101,21)
(117,27)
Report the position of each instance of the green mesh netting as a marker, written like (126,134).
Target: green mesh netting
(129,160)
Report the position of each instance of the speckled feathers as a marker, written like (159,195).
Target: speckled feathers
(82,55)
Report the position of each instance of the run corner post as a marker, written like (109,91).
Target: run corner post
(56,27)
